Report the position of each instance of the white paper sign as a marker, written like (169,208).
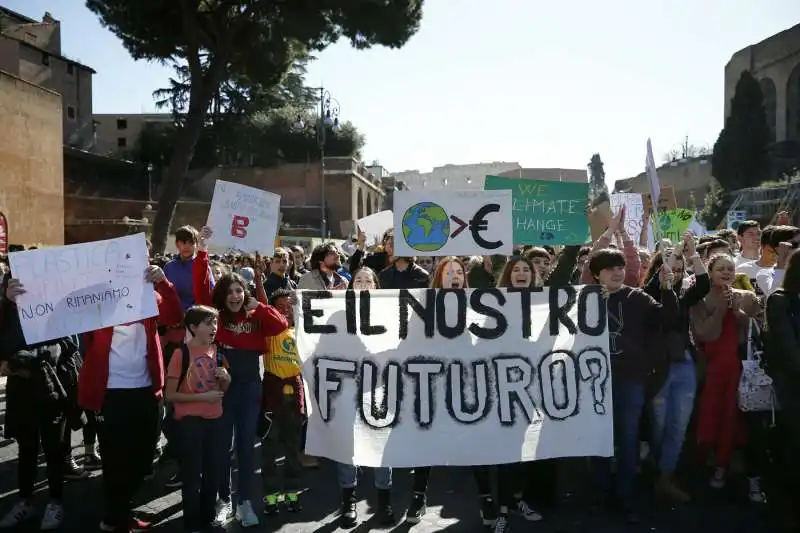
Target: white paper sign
(82,287)
(243,218)
(375,225)
(652,175)
(441,223)
(500,378)
(634,209)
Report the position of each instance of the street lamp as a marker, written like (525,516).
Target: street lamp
(149,182)
(328,118)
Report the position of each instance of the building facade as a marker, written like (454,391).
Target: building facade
(775,63)
(31,49)
(550,174)
(119,133)
(690,179)
(454,176)
(31,162)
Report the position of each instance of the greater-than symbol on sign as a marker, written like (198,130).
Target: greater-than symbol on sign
(461,226)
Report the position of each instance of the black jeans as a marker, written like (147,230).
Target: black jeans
(202,448)
(535,481)
(50,430)
(481,473)
(127,428)
(757,446)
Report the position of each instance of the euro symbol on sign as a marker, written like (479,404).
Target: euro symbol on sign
(478,224)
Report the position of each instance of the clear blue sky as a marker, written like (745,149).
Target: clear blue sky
(542,83)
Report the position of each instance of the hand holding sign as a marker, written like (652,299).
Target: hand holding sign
(14,289)
(154,274)
(689,247)
(205,235)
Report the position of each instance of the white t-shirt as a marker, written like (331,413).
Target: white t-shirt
(127,362)
(770,280)
(749,267)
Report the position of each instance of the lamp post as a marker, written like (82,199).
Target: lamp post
(328,118)
(149,182)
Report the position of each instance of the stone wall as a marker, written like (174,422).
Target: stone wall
(31,162)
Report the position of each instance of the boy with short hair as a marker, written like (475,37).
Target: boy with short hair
(196,382)
(283,398)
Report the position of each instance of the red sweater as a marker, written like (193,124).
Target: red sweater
(93,379)
(242,330)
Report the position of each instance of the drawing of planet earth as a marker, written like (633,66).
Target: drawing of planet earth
(426,227)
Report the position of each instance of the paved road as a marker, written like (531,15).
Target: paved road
(452,499)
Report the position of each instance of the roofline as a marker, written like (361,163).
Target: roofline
(13,13)
(48,52)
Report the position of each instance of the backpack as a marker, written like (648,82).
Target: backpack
(185,363)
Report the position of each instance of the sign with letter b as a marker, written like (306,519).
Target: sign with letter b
(243,219)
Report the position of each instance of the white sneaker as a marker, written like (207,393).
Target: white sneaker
(245,514)
(525,511)
(18,514)
(223,513)
(756,495)
(718,479)
(53,516)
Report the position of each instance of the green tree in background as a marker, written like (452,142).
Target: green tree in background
(715,207)
(248,43)
(598,190)
(740,158)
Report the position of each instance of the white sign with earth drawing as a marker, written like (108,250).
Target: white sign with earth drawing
(442,223)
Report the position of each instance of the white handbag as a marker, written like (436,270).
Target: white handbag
(756,392)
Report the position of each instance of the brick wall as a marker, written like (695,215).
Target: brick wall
(31,162)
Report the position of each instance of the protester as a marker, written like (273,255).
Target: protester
(245,323)
(196,381)
(122,379)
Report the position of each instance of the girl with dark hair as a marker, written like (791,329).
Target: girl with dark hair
(718,322)
(41,406)
(672,406)
(244,325)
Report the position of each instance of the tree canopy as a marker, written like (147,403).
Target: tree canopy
(741,153)
(598,190)
(241,43)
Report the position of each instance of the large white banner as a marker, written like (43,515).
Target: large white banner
(243,218)
(442,223)
(82,287)
(456,377)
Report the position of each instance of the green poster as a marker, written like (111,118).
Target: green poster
(546,212)
(674,223)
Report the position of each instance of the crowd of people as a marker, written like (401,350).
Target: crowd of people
(217,372)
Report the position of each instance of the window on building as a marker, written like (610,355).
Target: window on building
(122,142)
(122,124)
(45,59)
(70,69)
(70,112)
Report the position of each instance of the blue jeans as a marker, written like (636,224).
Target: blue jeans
(241,408)
(348,477)
(671,411)
(628,404)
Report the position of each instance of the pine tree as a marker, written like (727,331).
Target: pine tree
(598,190)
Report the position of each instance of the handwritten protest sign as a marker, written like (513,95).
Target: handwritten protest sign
(243,218)
(396,377)
(82,287)
(546,212)
(674,223)
(431,223)
(634,212)
(375,225)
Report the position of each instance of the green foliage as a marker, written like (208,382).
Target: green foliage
(740,158)
(715,208)
(598,190)
(243,44)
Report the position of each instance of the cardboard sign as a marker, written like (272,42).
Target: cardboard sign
(243,219)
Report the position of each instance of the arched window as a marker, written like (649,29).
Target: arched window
(793,105)
(360,204)
(770,102)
